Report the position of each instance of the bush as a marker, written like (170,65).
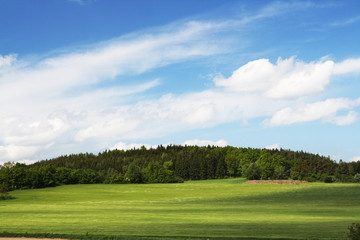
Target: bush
(311,178)
(4,192)
(6,197)
(354,231)
(344,178)
(328,179)
(357,177)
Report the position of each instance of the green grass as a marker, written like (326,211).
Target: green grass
(211,208)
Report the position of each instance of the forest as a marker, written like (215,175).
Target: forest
(174,164)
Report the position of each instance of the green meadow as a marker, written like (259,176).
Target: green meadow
(194,209)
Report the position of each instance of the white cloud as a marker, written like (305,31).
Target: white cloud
(252,77)
(323,110)
(347,66)
(287,78)
(348,119)
(194,142)
(354,159)
(273,146)
(300,79)
(56,76)
(170,114)
(124,146)
(19,152)
(81,2)
(7,60)
(277,8)
(35,133)
(112,125)
(346,22)
(197,142)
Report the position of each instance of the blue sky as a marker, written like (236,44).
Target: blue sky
(89,75)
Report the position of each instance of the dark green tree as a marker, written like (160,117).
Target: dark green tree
(133,174)
(354,231)
(252,172)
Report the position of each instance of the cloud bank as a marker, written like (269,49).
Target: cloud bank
(257,89)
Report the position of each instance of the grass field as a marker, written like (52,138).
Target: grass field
(212,208)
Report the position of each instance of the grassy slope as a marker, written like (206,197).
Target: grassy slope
(212,208)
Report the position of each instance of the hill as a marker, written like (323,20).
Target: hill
(174,163)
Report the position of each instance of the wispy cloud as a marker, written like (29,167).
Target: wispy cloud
(62,95)
(346,22)
(77,1)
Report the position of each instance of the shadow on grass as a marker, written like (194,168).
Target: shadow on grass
(4,197)
(322,195)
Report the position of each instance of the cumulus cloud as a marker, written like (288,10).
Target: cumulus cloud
(322,110)
(125,146)
(254,76)
(354,159)
(286,78)
(193,142)
(273,146)
(347,66)
(197,142)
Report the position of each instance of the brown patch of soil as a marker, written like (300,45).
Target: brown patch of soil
(276,182)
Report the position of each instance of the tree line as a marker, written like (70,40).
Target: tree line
(176,163)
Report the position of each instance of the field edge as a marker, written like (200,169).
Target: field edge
(24,236)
